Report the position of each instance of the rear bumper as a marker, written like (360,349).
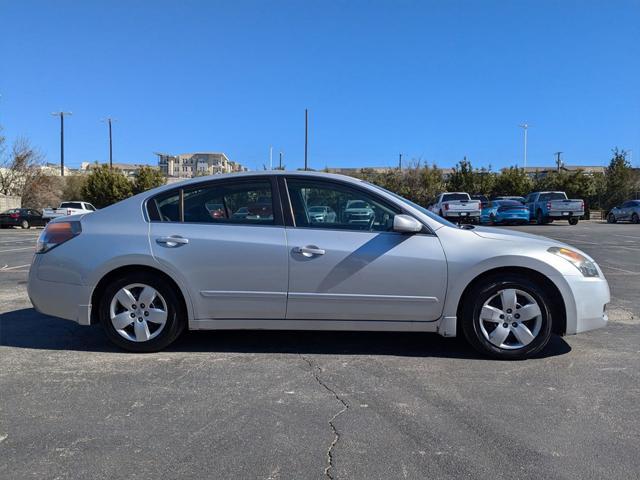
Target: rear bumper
(559,214)
(64,300)
(449,214)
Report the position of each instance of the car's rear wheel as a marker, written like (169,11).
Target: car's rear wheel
(141,312)
(611,218)
(634,218)
(507,317)
(573,221)
(25,224)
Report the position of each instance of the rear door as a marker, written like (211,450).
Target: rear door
(235,266)
(347,269)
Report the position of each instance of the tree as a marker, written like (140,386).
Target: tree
(462,178)
(620,180)
(512,181)
(74,187)
(105,186)
(147,178)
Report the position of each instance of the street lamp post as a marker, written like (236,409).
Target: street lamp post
(306,136)
(61,114)
(525,127)
(109,121)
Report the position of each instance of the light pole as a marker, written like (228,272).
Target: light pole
(61,115)
(558,161)
(109,120)
(525,127)
(306,136)
(399,161)
(280,165)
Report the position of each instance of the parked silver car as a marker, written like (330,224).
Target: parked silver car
(150,266)
(629,211)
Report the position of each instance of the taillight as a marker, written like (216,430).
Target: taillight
(582,205)
(548,205)
(68,211)
(446,206)
(56,233)
(14,215)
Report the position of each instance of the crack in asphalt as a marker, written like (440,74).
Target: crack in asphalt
(345,406)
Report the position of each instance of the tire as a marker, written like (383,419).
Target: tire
(611,218)
(573,221)
(492,219)
(440,213)
(540,219)
(519,343)
(166,305)
(25,225)
(635,219)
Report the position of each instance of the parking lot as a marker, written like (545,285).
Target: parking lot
(291,405)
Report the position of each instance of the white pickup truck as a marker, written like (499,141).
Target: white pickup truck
(67,208)
(457,206)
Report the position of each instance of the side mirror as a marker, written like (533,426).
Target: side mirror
(406,224)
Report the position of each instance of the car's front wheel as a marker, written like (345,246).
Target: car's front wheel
(611,218)
(634,218)
(141,312)
(507,317)
(25,224)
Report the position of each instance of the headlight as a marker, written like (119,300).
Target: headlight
(56,233)
(582,263)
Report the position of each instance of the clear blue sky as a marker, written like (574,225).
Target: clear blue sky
(432,79)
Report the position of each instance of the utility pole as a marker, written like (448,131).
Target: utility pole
(280,164)
(61,115)
(306,137)
(525,126)
(109,121)
(399,161)
(558,161)
(270,158)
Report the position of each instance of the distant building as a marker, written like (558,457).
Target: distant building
(540,172)
(129,169)
(187,165)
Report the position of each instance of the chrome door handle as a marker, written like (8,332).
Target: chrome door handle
(309,251)
(173,241)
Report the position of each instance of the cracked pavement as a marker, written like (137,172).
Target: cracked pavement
(318,405)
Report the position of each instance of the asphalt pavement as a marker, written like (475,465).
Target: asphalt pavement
(290,405)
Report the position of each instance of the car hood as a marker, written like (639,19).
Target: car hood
(510,235)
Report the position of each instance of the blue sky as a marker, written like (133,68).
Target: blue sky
(435,80)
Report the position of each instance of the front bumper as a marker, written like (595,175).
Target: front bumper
(585,303)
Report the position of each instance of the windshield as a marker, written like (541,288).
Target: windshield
(357,204)
(447,197)
(553,196)
(317,209)
(71,205)
(421,209)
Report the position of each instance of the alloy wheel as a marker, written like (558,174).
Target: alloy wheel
(138,312)
(510,319)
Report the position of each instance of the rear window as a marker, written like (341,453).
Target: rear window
(447,197)
(546,197)
(508,203)
(77,205)
(13,210)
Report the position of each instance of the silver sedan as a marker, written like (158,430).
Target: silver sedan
(150,266)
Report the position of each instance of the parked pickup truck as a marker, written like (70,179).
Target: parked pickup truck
(67,208)
(548,206)
(457,206)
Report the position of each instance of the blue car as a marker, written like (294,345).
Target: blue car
(504,212)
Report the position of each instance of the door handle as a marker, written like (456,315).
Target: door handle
(172,241)
(309,251)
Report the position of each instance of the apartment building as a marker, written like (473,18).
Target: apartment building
(187,165)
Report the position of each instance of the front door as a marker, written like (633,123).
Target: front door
(227,242)
(350,265)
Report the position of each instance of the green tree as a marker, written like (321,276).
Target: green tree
(147,178)
(73,187)
(462,179)
(620,180)
(105,186)
(512,181)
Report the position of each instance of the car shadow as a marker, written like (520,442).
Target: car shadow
(27,328)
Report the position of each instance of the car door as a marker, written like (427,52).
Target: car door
(530,201)
(625,211)
(234,266)
(350,269)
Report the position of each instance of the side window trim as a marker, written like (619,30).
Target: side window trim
(154,216)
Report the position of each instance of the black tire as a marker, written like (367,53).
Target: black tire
(492,219)
(635,219)
(473,304)
(540,219)
(573,221)
(25,224)
(611,218)
(176,316)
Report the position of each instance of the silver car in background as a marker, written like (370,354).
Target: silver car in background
(629,211)
(150,266)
